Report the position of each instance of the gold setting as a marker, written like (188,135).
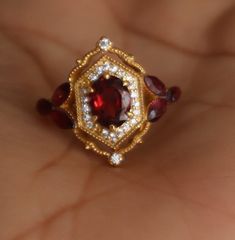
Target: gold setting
(112,142)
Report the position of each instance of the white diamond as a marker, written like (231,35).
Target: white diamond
(126,127)
(116,159)
(105,44)
(136,104)
(136,112)
(84,91)
(86,108)
(128,77)
(134,100)
(93,77)
(106,66)
(85,99)
(120,132)
(89,125)
(133,86)
(133,121)
(112,134)
(113,68)
(121,73)
(99,70)
(134,94)
(87,117)
(113,137)
(105,132)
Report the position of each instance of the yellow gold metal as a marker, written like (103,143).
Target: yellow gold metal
(112,128)
(107,75)
(130,114)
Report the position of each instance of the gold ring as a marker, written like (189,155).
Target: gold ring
(109,101)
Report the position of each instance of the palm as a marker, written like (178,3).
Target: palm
(178,185)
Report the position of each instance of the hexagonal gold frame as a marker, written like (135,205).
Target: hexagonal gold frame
(84,84)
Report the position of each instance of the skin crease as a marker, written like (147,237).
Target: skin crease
(180,184)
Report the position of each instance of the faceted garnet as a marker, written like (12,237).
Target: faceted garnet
(110,101)
(156,109)
(155,85)
(173,94)
(44,106)
(62,119)
(61,94)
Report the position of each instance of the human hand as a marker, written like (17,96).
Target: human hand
(179,184)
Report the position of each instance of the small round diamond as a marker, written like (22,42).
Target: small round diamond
(86,108)
(134,94)
(105,44)
(85,99)
(116,159)
(113,68)
(132,86)
(84,91)
(113,137)
(133,121)
(128,77)
(120,132)
(136,112)
(121,73)
(126,127)
(93,77)
(87,117)
(89,125)
(99,70)
(106,66)
(136,104)
(105,132)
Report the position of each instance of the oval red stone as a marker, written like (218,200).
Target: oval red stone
(110,101)
(155,85)
(44,106)
(62,119)
(61,94)
(156,109)
(173,94)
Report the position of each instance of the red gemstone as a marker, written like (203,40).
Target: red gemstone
(44,106)
(173,94)
(155,85)
(110,101)
(61,94)
(156,109)
(62,119)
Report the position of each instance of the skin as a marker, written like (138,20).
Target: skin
(179,184)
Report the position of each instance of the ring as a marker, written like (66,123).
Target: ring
(109,101)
